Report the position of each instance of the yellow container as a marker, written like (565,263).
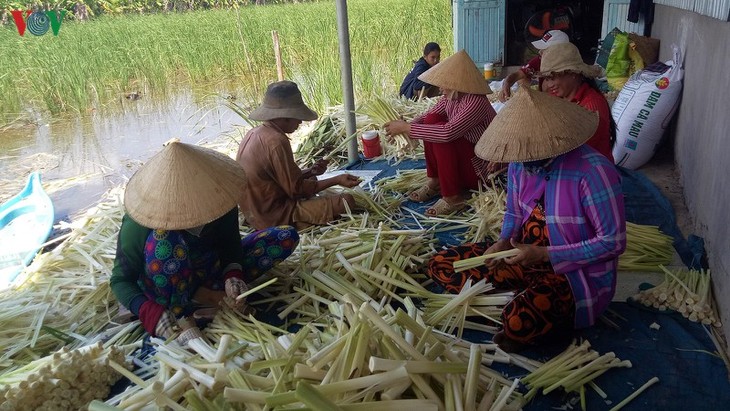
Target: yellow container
(489,71)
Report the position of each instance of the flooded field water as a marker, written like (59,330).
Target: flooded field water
(81,157)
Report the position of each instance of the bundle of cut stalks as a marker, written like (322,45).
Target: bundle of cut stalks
(68,379)
(329,137)
(469,263)
(380,112)
(646,248)
(572,370)
(397,186)
(688,292)
(358,356)
(450,311)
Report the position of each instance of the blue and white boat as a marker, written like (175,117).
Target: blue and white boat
(26,221)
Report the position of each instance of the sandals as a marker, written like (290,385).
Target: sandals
(443,207)
(423,194)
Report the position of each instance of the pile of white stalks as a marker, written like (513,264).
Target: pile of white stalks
(329,138)
(688,292)
(351,346)
(359,356)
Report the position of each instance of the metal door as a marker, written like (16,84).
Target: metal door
(615,13)
(479,29)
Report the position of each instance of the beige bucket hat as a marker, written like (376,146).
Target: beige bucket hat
(565,57)
(283,100)
(534,126)
(184,186)
(457,72)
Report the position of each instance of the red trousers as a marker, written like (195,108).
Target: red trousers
(451,164)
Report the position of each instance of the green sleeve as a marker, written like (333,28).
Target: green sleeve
(129,264)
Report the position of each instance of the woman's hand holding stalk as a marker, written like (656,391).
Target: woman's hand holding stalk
(501,245)
(396,127)
(529,254)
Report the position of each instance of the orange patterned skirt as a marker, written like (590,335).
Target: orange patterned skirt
(543,308)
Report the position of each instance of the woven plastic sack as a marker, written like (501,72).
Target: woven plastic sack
(643,109)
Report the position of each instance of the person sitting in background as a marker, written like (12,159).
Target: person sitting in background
(564,217)
(179,245)
(529,71)
(565,75)
(278,191)
(412,87)
(457,122)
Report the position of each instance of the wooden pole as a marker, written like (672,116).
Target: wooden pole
(277,54)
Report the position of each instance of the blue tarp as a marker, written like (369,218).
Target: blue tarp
(680,353)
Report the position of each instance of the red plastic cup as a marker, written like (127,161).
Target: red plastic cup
(371,144)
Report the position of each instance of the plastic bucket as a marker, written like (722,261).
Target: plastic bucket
(371,144)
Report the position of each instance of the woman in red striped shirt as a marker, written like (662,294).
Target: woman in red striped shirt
(449,131)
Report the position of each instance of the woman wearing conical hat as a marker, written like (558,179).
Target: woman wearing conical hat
(564,219)
(449,131)
(179,245)
(565,75)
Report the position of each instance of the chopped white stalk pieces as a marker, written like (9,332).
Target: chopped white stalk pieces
(68,378)
(688,292)
(354,356)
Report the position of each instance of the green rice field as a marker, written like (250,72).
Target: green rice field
(94,63)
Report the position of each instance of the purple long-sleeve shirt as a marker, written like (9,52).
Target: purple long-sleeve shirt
(584,210)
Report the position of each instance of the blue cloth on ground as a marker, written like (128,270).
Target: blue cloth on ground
(680,353)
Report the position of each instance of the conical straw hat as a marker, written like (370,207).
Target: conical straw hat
(534,126)
(457,72)
(184,186)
